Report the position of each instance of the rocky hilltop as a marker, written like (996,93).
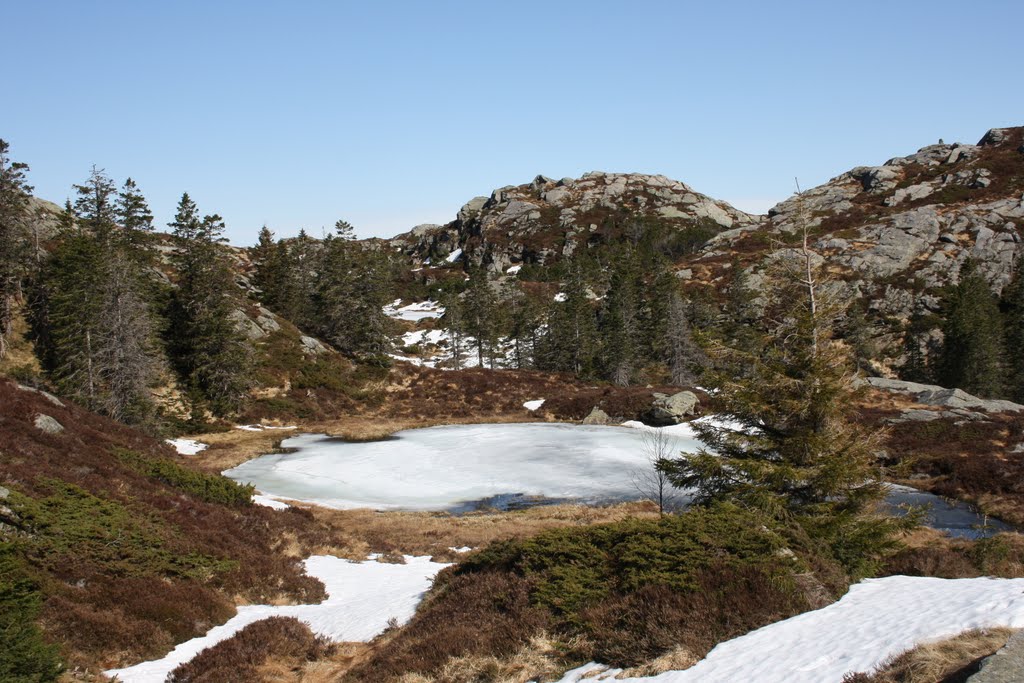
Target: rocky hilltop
(549,219)
(894,234)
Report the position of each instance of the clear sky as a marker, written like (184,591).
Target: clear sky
(389,114)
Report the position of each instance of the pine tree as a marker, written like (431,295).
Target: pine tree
(14,243)
(619,322)
(798,452)
(352,289)
(684,357)
(454,324)
(918,365)
(211,356)
(94,330)
(1012,305)
(524,324)
(479,315)
(972,336)
(570,341)
(132,212)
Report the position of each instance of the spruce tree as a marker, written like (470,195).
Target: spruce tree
(211,355)
(619,322)
(132,212)
(480,315)
(352,289)
(14,243)
(684,357)
(524,324)
(792,446)
(972,336)
(95,333)
(570,341)
(1012,305)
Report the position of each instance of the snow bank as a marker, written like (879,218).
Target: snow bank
(362,597)
(260,428)
(187,446)
(876,619)
(267,501)
(434,337)
(415,311)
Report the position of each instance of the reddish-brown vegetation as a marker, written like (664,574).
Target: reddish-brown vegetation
(127,564)
(285,640)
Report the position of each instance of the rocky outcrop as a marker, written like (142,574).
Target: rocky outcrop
(596,417)
(1005,666)
(933,395)
(901,231)
(547,219)
(670,410)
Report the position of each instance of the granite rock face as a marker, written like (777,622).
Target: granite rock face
(670,410)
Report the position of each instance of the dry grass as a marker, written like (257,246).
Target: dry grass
(929,553)
(947,661)
(434,533)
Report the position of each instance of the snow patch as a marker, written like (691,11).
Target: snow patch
(267,501)
(534,405)
(260,428)
(414,312)
(561,297)
(362,598)
(187,446)
(513,270)
(454,256)
(876,619)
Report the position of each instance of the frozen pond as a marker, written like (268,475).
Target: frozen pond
(441,468)
(463,467)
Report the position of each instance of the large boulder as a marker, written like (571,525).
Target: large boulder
(675,408)
(597,417)
(47,424)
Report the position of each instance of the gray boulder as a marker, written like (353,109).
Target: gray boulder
(596,417)
(312,346)
(45,394)
(1005,666)
(47,424)
(957,398)
(673,409)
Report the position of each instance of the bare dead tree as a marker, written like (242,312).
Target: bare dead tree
(651,481)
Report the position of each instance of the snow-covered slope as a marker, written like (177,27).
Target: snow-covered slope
(876,619)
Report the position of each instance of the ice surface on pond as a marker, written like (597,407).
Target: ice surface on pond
(461,467)
(442,467)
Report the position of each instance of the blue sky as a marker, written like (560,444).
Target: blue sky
(390,114)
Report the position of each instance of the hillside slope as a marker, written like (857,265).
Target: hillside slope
(129,550)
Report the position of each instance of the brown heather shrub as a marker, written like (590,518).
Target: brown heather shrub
(491,616)
(948,661)
(285,640)
(956,558)
(127,566)
(628,630)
